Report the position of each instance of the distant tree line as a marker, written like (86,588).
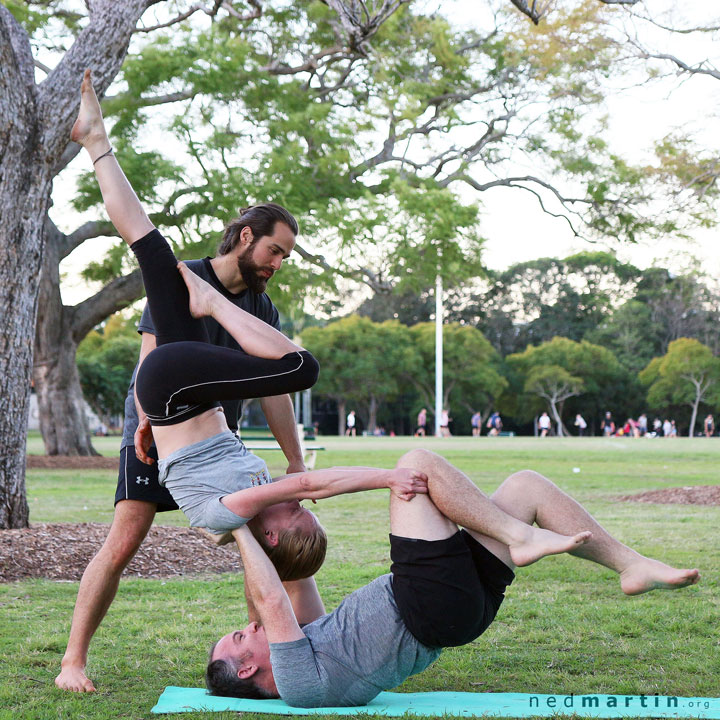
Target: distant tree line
(584,334)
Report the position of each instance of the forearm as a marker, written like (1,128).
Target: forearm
(305,599)
(281,419)
(333,481)
(262,583)
(253,615)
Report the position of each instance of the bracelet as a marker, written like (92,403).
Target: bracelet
(105,154)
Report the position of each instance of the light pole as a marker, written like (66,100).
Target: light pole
(438,353)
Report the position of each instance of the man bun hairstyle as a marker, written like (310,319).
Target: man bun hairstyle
(297,554)
(261,219)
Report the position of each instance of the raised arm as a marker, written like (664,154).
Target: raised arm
(266,591)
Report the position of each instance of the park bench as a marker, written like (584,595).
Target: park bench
(255,441)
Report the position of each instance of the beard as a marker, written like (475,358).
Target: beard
(250,272)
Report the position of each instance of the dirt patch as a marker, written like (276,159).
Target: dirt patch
(690,495)
(61,551)
(72,462)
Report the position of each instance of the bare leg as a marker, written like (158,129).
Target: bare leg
(532,498)
(252,334)
(98,586)
(461,502)
(122,205)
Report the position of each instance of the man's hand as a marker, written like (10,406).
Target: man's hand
(405,483)
(143,441)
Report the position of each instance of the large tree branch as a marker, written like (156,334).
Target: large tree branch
(101,46)
(116,295)
(87,231)
(127,100)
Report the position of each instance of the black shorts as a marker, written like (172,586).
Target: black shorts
(138,481)
(447,591)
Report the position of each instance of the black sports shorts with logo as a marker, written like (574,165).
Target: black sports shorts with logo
(138,481)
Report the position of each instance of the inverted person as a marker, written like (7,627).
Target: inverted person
(216,482)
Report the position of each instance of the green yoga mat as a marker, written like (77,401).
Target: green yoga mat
(460,704)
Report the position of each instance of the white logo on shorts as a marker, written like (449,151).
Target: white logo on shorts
(142,480)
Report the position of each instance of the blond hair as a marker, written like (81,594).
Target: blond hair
(297,554)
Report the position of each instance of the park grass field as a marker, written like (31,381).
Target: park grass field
(564,628)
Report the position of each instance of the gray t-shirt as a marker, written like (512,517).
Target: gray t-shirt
(352,654)
(258,305)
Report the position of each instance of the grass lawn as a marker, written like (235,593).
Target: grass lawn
(564,628)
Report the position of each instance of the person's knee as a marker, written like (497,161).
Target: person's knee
(418,459)
(129,528)
(525,480)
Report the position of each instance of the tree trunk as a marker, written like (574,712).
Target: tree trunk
(35,122)
(372,415)
(342,407)
(693,417)
(63,422)
(556,417)
(24,195)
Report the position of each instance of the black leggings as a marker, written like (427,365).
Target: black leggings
(187,375)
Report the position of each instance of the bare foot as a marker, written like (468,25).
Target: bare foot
(645,575)
(75,680)
(540,543)
(203,296)
(89,129)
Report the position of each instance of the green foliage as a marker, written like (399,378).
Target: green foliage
(106,360)
(552,381)
(361,362)
(472,369)
(582,367)
(534,301)
(687,374)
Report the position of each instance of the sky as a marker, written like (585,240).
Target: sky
(514,226)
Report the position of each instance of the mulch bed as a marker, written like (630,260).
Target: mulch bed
(61,551)
(72,462)
(689,495)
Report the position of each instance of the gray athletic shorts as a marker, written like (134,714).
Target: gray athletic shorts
(199,475)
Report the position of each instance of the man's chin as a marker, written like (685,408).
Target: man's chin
(256,284)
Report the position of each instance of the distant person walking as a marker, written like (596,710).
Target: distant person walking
(608,425)
(709,426)
(544,424)
(580,424)
(350,424)
(475,424)
(667,428)
(642,423)
(421,423)
(445,423)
